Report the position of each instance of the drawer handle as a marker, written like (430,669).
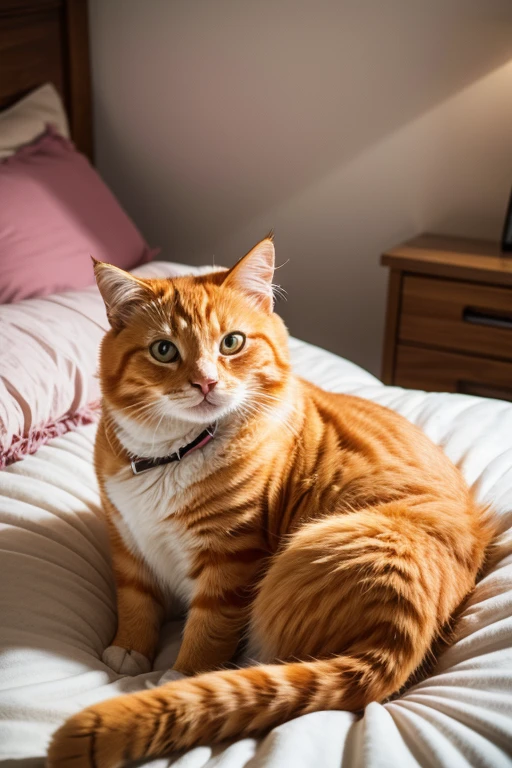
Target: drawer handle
(487,318)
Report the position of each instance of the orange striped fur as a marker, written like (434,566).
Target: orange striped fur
(325,531)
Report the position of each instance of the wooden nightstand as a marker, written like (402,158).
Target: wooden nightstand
(449,317)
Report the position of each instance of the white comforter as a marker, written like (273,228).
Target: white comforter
(57,610)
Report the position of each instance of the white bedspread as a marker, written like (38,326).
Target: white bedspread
(57,610)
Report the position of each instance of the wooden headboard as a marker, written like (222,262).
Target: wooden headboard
(48,41)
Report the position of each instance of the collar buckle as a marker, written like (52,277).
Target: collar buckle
(136,470)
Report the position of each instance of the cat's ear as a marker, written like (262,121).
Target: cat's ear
(253,274)
(120,291)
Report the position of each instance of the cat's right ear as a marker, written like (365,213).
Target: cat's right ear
(120,291)
(253,273)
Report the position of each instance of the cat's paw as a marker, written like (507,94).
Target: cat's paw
(170,676)
(125,662)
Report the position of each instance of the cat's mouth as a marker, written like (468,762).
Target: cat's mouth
(219,400)
(207,406)
(205,403)
(213,406)
(213,409)
(205,411)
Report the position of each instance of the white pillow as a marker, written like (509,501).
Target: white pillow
(28,118)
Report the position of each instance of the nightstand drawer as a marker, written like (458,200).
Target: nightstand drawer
(420,368)
(456,315)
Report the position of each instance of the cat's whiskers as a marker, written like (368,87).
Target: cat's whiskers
(275,412)
(279,292)
(276,416)
(139,408)
(254,407)
(258,391)
(156,430)
(110,424)
(253,410)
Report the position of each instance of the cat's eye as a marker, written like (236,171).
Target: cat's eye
(232,343)
(164,351)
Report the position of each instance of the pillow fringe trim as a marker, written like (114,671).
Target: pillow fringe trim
(24,445)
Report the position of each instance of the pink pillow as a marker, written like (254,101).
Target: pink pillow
(55,212)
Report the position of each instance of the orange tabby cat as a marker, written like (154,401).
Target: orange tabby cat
(325,530)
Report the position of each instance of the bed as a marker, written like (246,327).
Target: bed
(57,602)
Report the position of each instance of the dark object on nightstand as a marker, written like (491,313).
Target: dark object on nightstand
(449,317)
(506,238)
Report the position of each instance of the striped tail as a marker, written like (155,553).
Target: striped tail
(217,706)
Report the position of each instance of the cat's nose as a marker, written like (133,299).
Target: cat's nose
(205,385)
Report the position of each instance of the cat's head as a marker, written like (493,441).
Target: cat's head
(196,349)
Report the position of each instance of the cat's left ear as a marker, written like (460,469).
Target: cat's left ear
(253,274)
(120,291)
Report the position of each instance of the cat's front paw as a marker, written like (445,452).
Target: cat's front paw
(125,662)
(170,676)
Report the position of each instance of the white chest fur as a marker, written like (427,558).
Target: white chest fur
(147,503)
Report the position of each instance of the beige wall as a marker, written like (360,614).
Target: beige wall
(346,126)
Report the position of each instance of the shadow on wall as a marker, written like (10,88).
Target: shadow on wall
(334,231)
(345,128)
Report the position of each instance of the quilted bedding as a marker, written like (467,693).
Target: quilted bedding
(57,609)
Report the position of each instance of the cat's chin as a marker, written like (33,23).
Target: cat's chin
(205,412)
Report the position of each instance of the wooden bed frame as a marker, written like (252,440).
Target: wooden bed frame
(48,41)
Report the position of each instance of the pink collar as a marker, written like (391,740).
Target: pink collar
(141,464)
